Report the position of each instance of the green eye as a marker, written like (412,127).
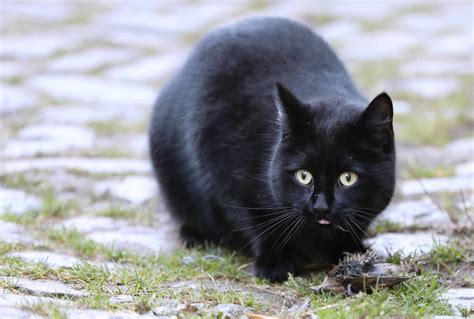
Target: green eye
(303,176)
(348,179)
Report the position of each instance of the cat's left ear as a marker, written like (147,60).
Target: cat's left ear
(378,118)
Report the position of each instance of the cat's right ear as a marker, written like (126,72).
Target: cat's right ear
(296,114)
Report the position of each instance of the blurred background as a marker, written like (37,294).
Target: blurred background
(78,80)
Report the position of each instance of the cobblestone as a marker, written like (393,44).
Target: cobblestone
(77,83)
(408,244)
(43,288)
(17,202)
(82,88)
(417,214)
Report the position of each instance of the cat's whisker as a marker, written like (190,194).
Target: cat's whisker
(363,208)
(365,218)
(266,215)
(273,219)
(257,208)
(360,211)
(277,224)
(288,234)
(341,228)
(363,231)
(281,215)
(353,234)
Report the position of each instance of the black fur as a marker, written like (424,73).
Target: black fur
(255,102)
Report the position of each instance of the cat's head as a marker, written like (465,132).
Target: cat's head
(335,164)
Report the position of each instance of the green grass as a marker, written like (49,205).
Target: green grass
(141,216)
(47,309)
(220,279)
(385,226)
(440,170)
(52,209)
(114,126)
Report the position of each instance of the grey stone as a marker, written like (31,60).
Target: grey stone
(49,139)
(17,201)
(89,224)
(15,234)
(140,239)
(53,260)
(406,244)
(460,150)
(169,309)
(99,314)
(369,11)
(39,45)
(89,89)
(400,43)
(10,69)
(421,213)
(229,310)
(121,299)
(460,297)
(439,184)
(191,18)
(338,30)
(45,288)
(465,168)
(436,67)
(458,45)
(401,107)
(44,12)
(152,68)
(91,165)
(15,313)
(56,261)
(9,299)
(14,99)
(428,87)
(134,189)
(434,22)
(146,39)
(91,59)
(80,114)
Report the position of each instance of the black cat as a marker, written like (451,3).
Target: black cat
(262,141)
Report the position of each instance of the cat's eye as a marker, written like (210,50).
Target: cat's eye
(303,176)
(348,179)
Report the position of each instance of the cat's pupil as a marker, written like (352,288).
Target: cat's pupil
(303,175)
(348,177)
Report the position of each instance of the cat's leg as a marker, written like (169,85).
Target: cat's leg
(271,265)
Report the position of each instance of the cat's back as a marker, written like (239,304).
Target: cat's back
(265,49)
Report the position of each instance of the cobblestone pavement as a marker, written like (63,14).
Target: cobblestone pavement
(77,83)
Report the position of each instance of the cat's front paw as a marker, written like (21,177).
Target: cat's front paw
(273,271)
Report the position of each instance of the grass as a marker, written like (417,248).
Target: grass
(213,276)
(141,216)
(439,170)
(114,127)
(52,208)
(47,309)
(385,226)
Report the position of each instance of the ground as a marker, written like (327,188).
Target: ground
(83,232)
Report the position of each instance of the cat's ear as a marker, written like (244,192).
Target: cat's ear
(295,111)
(378,118)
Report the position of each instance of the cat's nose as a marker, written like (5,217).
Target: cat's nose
(320,204)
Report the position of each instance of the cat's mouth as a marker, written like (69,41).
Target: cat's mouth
(323,221)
